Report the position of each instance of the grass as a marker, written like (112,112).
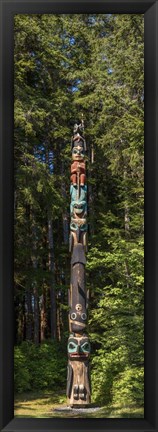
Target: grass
(37,404)
(41,405)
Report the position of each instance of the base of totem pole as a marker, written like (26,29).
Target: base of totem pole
(78,389)
(78,404)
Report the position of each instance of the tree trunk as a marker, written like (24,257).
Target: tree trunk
(36,313)
(58,323)
(28,291)
(53,318)
(126,225)
(43,322)
(19,308)
(44,325)
(65,216)
(28,313)
(126,212)
(35,284)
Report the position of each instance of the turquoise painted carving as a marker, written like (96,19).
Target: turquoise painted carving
(78,346)
(78,203)
(75,225)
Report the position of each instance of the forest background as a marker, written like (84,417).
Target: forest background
(66,66)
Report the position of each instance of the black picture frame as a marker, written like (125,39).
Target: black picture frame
(7,11)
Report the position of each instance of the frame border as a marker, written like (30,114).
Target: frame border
(8,8)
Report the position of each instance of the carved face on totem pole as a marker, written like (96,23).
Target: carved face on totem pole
(78,379)
(78,318)
(76,224)
(78,153)
(78,211)
(78,234)
(78,347)
(78,206)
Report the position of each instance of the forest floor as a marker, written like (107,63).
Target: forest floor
(48,405)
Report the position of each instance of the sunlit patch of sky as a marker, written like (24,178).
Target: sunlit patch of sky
(40,156)
(72,40)
(74,88)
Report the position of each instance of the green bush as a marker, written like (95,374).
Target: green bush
(128,387)
(105,367)
(39,367)
(21,372)
(114,381)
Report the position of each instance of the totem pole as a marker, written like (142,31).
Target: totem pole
(78,379)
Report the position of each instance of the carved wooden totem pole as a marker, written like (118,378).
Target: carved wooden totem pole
(78,379)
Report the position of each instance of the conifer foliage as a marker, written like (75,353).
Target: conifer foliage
(66,66)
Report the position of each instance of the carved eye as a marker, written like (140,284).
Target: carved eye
(73,316)
(85,347)
(73,226)
(72,347)
(84,316)
(83,227)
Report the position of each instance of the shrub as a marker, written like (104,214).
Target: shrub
(114,381)
(39,367)
(128,387)
(21,372)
